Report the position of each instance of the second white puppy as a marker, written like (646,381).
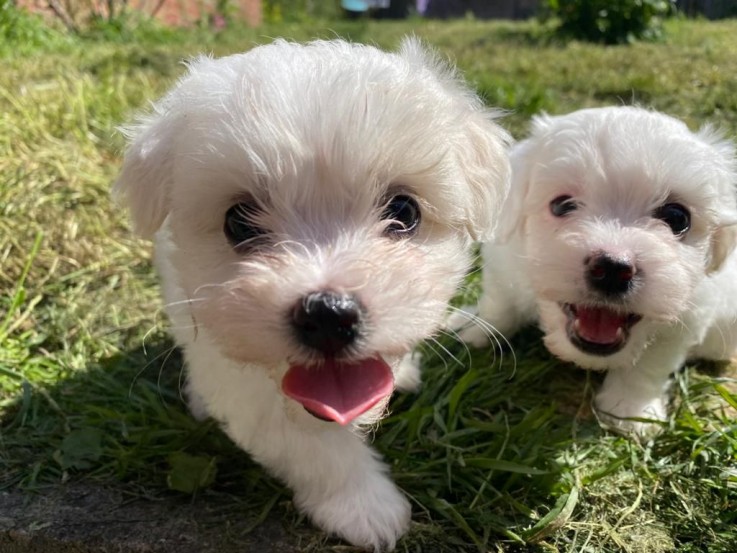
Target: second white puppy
(313,207)
(619,241)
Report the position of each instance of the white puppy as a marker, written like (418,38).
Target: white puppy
(619,242)
(313,207)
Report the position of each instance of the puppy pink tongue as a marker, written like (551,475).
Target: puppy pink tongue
(339,391)
(599,325)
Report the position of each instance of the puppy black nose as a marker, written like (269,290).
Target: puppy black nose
(326,321)
(612,277)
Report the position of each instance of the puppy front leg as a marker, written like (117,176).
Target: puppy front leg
(351,494)
(641,391)
(337,479)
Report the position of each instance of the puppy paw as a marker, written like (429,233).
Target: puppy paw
(620,413)
(368,512)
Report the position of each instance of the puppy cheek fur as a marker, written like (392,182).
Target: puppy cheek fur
(669,270)
(248,313)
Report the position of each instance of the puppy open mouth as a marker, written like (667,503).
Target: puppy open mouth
(598,330)
(339,391)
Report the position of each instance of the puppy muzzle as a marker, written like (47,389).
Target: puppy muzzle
(334,389)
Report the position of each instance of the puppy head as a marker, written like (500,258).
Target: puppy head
(623,212)
(320,200)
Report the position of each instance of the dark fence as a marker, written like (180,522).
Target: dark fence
(523,9)
(713,9)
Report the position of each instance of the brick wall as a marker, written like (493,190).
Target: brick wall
(169,12)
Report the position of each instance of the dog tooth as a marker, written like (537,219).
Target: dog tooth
(620,333)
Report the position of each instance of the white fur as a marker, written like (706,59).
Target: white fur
(318,135)
(620,163)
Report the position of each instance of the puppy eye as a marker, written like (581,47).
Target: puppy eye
(562,206)
(404,215)
(677,217)
(239,226)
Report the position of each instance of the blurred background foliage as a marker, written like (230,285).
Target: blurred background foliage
(601,21)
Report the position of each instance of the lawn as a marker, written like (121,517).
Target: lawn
(498,452)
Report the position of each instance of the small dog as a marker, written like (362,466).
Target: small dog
(313,208)
(618,238)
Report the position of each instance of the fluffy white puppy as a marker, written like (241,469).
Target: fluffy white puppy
(313,207)
(618,239)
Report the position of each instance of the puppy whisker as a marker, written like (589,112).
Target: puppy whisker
(166,354)
(200,288)
(489,329)
(179,303)
(495,336)
(429,342)
(456,337)
(445,350)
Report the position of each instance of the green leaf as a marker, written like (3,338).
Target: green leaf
(457,392)
(189,473)
(725,393)
(555,519)
(80,448)
(601,473)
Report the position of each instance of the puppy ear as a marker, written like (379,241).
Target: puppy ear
(723,243)
(144,183)
(722,146)
(522,159)
(484,162)
(480,149)
(724,177)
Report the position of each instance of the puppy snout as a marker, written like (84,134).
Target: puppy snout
(609,275)
(327,321)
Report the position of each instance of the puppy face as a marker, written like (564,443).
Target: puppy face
(320,199)
(623,212)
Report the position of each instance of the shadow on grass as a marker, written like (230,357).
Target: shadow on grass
(109,458)
(476,458)
(493,451)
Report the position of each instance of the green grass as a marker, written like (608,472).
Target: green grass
(495,457)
